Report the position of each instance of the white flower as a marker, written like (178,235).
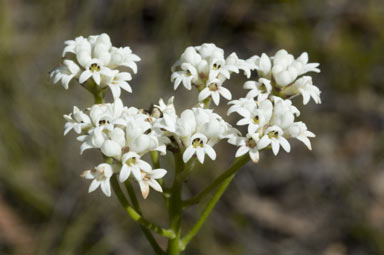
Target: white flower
(167,116)
(204,65)
(96,70)
(77,121)
(247,103)
(263,66)
(233,64)
(214,90)
(145,143)
(299,131)
(72,45)
(118,81)
(112,146)
(254,119)
(124,57)
(186,124)
(107,114)
(286,69)
(199,147)
(283,113)
(255,115)
(274,136)
(260,89)
(95,58)
(148,179)
(131,162)
(247,144)
(187,75)
(304,87)
(65,73)
(100,175)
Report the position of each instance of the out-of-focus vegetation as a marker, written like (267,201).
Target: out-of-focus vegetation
(329,201)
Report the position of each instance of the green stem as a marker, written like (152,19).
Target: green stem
(175,208)
(97,92)
(99,98)
(188,169)
(237,164)
(136,206)
(207,102)
(155,159)
(223,181)
(136,216)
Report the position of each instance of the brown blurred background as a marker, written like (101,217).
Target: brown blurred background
(328,201)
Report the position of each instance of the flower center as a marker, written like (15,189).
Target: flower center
(197,142)
(131,161)
(103,122)
(251,143)
(263,88)
(98,173)
(273,134)
(145,176)
(213,87)
(256,119)
(94,68)
(216,66)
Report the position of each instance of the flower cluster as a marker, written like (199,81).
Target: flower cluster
(124,135)
(94,60)
(267,110)
(206,68)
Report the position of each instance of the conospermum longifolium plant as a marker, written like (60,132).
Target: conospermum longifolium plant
(125,134)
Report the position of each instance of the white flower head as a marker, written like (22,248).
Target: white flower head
(299,131)
(117,81)
(305,87)
(94,58)
(247,144)
(65,73)
(77,120)
(148,179)
(124,57)
(131,163)
(260,89)
(274,136)
(199,147)
(100,176)
(214,90)
(95,69)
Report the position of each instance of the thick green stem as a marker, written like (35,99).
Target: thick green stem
(136,206)
(237,164)
(136,216)
(175,208)
(99,98)
(97,92)
(223,181)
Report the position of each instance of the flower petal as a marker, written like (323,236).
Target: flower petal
(94,185)
(155,185)
(200,155)
(188,153)
(106,188)
(124,173)
(210,152)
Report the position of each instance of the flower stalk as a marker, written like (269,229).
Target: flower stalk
(228,174)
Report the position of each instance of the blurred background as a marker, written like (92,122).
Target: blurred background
(328,201)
